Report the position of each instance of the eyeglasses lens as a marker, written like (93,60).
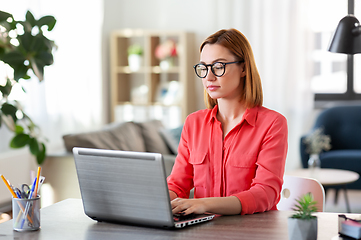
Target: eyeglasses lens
(218,69)
(201,70)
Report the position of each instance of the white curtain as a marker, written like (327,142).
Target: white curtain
(69,99)
(279,34)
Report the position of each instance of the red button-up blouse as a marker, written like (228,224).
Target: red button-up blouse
(249,163)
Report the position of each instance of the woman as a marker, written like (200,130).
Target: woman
(233,153)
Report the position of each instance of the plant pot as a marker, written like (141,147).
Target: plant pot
(299,229)
(166,63)
(135,62)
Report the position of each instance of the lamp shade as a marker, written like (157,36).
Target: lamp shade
(347,37)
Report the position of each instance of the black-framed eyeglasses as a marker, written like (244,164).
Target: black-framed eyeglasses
(217,68)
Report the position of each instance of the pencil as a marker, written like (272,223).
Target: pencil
(7,184)
(37,182)
(14,195)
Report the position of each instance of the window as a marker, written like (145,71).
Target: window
(331,81)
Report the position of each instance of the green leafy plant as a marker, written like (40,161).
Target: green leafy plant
(24,47)
(135,49)
(305,207)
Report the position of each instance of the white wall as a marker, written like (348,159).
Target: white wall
(15,166)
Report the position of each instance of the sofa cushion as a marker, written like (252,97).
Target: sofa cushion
(124,136)
(98,139)
(350,160)
(129,137)
(152,139)
(172,137)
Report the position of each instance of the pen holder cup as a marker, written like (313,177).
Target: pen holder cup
(26,214)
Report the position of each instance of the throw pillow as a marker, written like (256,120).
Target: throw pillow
(172,137)
(152,139)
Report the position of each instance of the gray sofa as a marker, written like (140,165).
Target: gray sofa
(150,136)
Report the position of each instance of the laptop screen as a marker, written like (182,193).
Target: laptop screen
(123,186)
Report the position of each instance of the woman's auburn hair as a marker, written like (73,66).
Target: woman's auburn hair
(237,44)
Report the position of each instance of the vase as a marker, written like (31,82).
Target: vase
(167,63)
(300,229)
(314,164)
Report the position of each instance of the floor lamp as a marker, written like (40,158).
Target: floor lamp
(347,40)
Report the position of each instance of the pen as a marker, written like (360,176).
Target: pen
(7,184)
(37,182)
(17,193)
(25,213)
(32,189)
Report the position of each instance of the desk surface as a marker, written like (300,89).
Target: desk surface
(327,176)
(66,220)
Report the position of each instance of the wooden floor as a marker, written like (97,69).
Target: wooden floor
(354,197)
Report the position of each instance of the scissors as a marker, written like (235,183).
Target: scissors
(24,192)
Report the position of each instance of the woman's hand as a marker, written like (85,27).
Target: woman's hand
(188,206)
(219,205)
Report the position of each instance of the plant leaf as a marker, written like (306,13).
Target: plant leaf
(305,207)
(40,158)
(49,21)
(30,18)
(34,146)
(16,60)
(20,140)
(4,16)
(38,49)
(3,20)
(5,90)
(9,109)
(19,129)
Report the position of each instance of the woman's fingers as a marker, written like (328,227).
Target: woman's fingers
(178,205)
(187,206)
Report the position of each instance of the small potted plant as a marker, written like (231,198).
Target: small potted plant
(135,53)
(303,225)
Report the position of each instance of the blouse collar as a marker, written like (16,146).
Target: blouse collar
(249,115)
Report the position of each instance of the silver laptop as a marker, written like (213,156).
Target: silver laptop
(127,187)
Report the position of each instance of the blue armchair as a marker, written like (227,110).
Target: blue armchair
(343,125)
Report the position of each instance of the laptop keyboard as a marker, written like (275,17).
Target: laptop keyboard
(179,217)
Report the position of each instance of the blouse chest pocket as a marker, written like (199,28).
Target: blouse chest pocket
(241,169)
(243,161)
(199,161)
(197,158)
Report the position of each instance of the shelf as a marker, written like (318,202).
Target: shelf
(154,69)
(147,86)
